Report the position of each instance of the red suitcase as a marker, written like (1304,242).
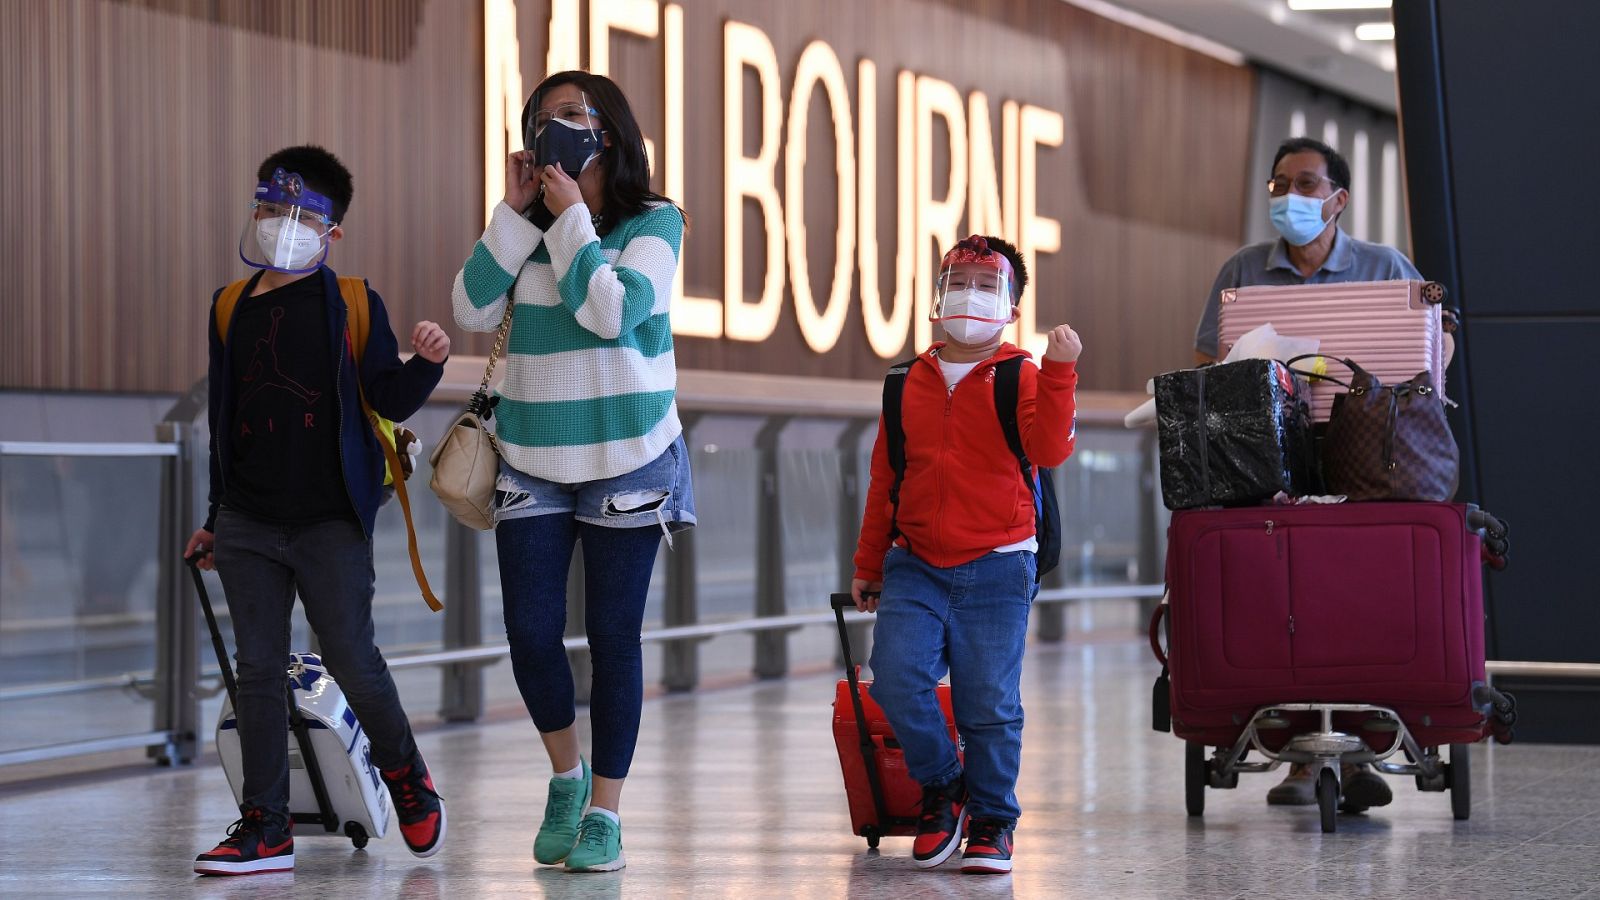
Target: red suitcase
(884,799)
(1393,329)
(1357,604)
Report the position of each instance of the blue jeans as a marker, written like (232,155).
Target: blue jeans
(535,554)
(971,621)
(329,563)
(660,493)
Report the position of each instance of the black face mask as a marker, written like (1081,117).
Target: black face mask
(567,146)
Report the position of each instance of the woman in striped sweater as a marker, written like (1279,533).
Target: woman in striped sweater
(590,442)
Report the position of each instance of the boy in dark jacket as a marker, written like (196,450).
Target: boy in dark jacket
(950,565)
(296,479)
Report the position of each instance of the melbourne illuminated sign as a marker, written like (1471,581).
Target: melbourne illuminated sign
(993,192)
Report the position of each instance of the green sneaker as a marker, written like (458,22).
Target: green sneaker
(559,830)
(599,846)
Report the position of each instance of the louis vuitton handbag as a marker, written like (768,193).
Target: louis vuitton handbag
(1389,441)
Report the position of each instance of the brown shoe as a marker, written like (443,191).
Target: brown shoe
(1298,788)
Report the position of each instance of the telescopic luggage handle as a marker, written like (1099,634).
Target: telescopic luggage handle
(869,750)
(217,644)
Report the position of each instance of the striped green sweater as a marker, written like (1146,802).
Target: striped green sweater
(590,381)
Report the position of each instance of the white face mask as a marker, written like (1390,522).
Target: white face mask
(979,305)
(288,245)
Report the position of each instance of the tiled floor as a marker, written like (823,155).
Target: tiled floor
(736,793)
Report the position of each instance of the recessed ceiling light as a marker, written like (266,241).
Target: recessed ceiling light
(1314,5)
(1375,31)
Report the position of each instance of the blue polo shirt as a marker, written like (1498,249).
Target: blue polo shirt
(1268,263)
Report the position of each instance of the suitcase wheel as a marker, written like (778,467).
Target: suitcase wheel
(1328,800)
(1433,292)
(1459,776)
(1195,778)
(356,834)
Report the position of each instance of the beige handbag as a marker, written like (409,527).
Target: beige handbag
(466,461)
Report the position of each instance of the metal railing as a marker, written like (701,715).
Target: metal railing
(770,404)
(172,683)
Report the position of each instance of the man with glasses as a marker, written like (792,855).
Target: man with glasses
(1309,188)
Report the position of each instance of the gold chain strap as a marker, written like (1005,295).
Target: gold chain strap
(499,344)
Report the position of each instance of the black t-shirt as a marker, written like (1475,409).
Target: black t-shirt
(284,441)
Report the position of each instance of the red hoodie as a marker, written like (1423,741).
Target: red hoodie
(962,495)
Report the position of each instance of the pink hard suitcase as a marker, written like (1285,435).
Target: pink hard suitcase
(1372,609)
(1393,329)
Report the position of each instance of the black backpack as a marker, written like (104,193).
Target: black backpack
(1046,510)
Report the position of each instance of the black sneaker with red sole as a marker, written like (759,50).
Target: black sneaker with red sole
(418,807)
(944,815)
(988,847)
(256,844)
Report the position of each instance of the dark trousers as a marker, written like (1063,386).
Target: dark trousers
(262,566)
(535,553)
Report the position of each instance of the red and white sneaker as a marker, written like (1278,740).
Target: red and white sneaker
(944,815)
(989,848)
(418,807)
(255,844)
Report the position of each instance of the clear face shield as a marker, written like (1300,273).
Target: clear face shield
(972,302)
(288,226)
(567,135)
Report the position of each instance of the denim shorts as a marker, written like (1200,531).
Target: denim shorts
(660,492)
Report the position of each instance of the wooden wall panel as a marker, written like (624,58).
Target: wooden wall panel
(133,131)
(134,127)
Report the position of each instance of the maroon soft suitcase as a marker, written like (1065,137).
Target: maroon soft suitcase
(1376,603)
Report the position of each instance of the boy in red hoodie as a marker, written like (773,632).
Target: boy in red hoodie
(950,567)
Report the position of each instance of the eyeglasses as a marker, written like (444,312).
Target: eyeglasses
(265,209)
(580,113)
(1305,183)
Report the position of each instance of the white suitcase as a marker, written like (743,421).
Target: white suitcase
(1393,329)
(333,784)
(338,763)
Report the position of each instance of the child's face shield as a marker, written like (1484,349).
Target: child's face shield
(288,226)
(566,134)
(972,291)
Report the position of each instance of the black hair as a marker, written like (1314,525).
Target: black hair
(627,169)
(1018,268)
(1338,169)
(321,171)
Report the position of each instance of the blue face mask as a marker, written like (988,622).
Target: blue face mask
(568,145)
(1298,217)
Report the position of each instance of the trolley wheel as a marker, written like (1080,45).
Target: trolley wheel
(1194,778)
(1433,292)
(872,842)
(1460,781)
(1328,800)
(356,834)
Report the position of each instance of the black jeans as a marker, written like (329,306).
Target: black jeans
(262,565)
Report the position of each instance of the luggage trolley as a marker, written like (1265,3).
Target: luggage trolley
(1329,735)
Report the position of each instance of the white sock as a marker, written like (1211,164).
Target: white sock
(575,773)
(615,819)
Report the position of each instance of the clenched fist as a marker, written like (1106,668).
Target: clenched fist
(1065,345)
(430,342)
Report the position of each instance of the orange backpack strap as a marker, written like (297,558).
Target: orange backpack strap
(226,301)
(359,319)
(354,292)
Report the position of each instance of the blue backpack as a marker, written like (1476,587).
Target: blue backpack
(1041,482)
